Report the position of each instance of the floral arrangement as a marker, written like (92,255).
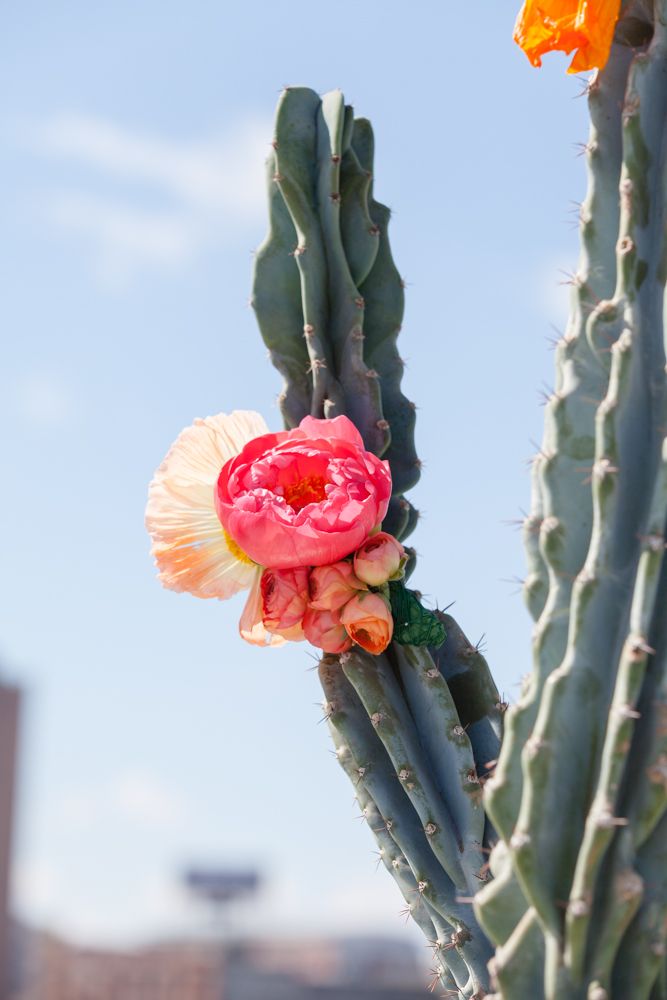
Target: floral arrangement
(295,518)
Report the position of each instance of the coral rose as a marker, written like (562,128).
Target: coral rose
(367,620)
(305,497)
(284,601)
(379,559)
(332,586)
(324,630)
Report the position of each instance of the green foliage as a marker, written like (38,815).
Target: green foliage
(414,625)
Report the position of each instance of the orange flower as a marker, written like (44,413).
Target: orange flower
(368,622)
(563,25)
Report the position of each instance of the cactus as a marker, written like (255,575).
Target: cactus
(563,841)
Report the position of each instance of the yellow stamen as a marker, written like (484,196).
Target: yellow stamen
(236,550)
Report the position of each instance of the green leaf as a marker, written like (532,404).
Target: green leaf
(414,625)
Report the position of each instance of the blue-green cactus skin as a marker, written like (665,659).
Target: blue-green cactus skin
(579,796)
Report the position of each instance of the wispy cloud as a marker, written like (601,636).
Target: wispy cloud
(144,200)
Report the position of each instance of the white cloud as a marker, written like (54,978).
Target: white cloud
(147,200)
(224,174)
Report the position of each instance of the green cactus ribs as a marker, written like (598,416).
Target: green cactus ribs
(326,292)
(590,730)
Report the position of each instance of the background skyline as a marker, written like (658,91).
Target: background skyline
(133,197)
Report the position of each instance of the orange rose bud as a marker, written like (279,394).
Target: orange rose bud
(379,559)
(284,601)
(324,630)
(332,586)
(367,620)
(563,25)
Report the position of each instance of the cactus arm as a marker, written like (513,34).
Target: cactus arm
(346,322)
(562,508)
(276,299)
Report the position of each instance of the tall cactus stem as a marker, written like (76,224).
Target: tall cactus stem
(561,500)
(629,431)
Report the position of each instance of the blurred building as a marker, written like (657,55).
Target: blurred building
(55,970)
(9,711)
(310,969)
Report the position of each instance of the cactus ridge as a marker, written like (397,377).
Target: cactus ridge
(593,720)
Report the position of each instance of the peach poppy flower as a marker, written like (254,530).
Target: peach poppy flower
(564,25)
(192,550)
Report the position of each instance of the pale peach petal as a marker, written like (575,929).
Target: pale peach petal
(251,626)
(191,549)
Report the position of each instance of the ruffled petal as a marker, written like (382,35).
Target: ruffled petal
(191,549)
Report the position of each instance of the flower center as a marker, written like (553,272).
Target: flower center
(236,550)
(310,489)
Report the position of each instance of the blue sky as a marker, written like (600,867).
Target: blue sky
(132,198)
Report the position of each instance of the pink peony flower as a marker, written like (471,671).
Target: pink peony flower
(284,601)
(332,586)
(324,630)
(367,620)
(305,497)
(379,559)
